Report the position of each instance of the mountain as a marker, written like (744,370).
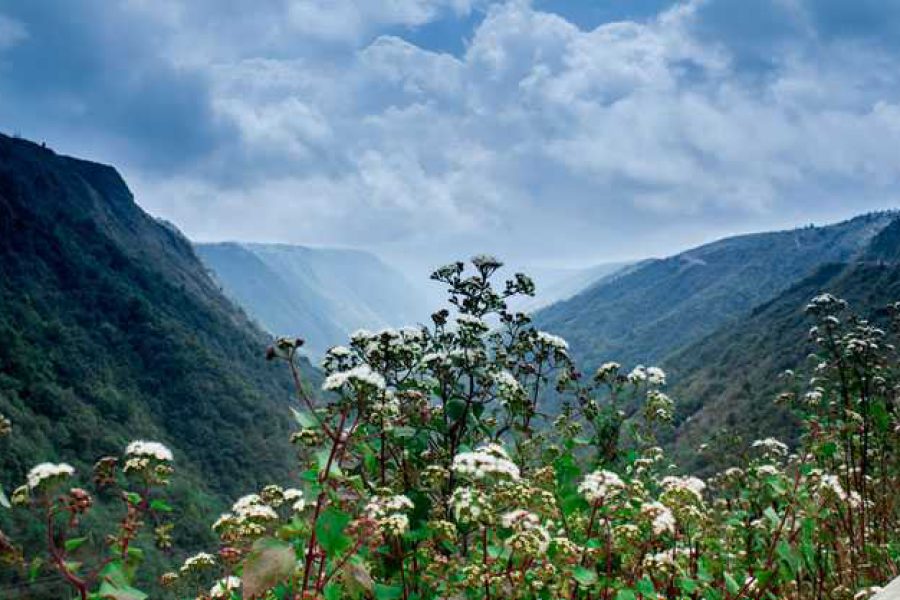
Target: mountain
(320,294)
(661,306)
(112,330)
(728,380)
(555,285)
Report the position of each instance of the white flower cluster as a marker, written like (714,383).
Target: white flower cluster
(48,471)
(250,515)
(197,562)
(606,370)
(469,505)
(144,449)
(223,588)
(361,375)
(295,498)
(471,324)
(689,484)
(389,513)
(529,537)
(508,388)
(771,447)
(552,341)
(652,375)
(600,485)
(387,409)
(661,518)
(489,460)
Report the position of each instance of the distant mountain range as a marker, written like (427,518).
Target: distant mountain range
(319,294)
(726,382)
(112,330)
(662,305)
(725,319)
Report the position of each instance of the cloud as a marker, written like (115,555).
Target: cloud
(313,122)
(11,32)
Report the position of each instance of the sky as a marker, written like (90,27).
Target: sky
(553,132)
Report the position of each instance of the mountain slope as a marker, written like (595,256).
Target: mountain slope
(320,294)
(112,330)
(556,285)
(663,305)
(728,380)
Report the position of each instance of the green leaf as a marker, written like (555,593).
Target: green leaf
(109,591)
(333,591)
(687,585)
(160,506)
(584,576)
(4,501)
(455,409)
(387,592)
(645,587)
(269,562)
(116,586)
(304,419)
(330,530)
(731,584)
(74,544)
(772,516)
(625,595)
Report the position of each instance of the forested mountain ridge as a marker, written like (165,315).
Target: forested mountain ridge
(111,330)
(321,294)
(726,383)
(663,305)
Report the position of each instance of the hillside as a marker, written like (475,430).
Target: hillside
(112,330)
(556,285)
(728,380)
(320,294)
(663,305)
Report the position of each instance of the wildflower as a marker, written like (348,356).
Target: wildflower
(486,461)
(48,472)
(198,562)
(223,588)
(296,498)
(388,512)
(362,375)
(469,505)
(656,376)
(662,519)
(144,449)
(771,447)
(599,485)
(689,485)
(552,341)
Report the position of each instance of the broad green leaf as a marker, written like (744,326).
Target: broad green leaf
(625,595)
(269,562)
(74,544)
(584,576)
(645,587)
(330,530)
(160,506)
(388,592)
(304,419)
(731,584)
(109,591)
(4,501)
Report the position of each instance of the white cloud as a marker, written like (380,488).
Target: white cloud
(12,32)
(540,139)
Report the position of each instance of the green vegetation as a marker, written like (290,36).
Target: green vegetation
(110,329)
(662,306)
(432,472)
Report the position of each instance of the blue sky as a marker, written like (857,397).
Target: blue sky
(551,131)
